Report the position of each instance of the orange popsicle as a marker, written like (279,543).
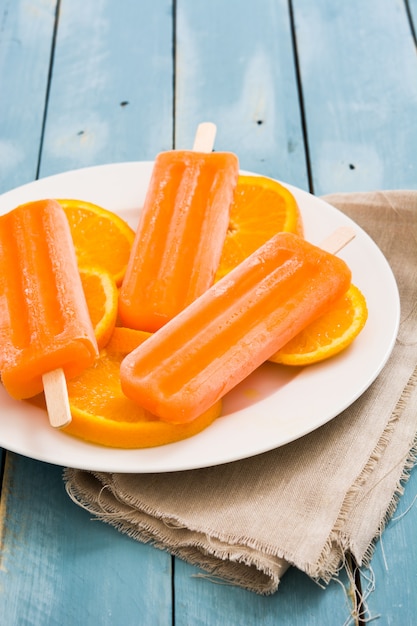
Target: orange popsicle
(180,236)
(231,329)
(45,326)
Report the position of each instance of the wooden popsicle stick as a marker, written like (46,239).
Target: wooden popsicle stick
(56,396)
(338,239)
(204,137)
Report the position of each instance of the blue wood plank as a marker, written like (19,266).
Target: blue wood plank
(413,14)
(235,67)
(111,91)
(359,79)
(392,576)
(298,602)
(59,567)
(26,32)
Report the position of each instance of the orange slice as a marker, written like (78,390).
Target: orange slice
(124,340)
(101,238)
(329,334)
(261,208)
(102,414)
(102,295)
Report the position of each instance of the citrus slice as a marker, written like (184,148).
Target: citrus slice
(102,414)
(101,294)
(329,334)
(124,340)
(101,238)
(260,209)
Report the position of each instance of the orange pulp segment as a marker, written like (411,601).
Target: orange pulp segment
(102,414)
(261,208)
(124,340)
(101,238)
(101,294)
(329,334)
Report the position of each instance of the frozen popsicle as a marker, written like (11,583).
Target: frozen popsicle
(234,327)
(180,235)
(45,329)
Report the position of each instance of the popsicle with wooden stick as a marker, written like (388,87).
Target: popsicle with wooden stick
(46,333)
(180,236)
(224,335)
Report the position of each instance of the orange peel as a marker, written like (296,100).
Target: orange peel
(101,238)
(261,208)
(101,294)
(329,334)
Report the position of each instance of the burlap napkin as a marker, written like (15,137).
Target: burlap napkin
(310,502)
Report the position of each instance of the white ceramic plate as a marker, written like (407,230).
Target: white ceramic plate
(272,407)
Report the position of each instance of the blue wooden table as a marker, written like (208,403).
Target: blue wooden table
(322,95)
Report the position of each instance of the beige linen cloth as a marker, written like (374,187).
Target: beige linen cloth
(307,503)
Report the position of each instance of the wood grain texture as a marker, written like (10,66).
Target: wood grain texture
(390,583)
(359,81)
(413,13)
(26,33)
(235,67)
(298,602)
(59,567)
(111,90)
